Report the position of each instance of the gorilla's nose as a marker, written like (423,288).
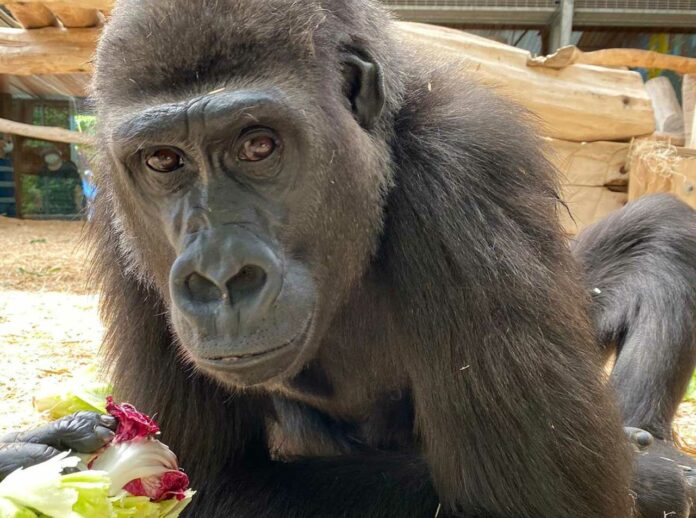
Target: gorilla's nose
(207,287)
(226,284)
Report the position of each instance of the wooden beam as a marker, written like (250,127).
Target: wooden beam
(85,4)
(75,17)
(32,15)
(46,51)
(635,58)
(577,103)
(44,133)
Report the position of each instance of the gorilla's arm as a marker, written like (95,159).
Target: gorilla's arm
(638,264)
(367,486)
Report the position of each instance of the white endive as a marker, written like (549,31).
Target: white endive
(40,487)
(132,460)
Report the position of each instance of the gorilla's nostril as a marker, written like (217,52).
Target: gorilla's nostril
(202,290)
(248,282)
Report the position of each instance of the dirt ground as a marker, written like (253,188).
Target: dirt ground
(49,327)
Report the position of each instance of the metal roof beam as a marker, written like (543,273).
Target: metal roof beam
(562,26)
(648,18)
(468,15)
(544,17)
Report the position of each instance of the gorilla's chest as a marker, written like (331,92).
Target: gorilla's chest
(301,429)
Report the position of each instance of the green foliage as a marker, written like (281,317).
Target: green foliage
(45,195)
(31,195)
(691,392)
(86,124)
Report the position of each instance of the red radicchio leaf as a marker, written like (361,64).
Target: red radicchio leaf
(131,423)
(172,484)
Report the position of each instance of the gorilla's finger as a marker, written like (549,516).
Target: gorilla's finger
(23,455)
(638,437)
(83,432)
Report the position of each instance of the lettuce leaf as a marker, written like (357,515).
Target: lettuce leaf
(8,509)
(126,506)
(56,401)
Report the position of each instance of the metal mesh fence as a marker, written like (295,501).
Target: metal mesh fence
(665,5)
(545,4)
(472,3)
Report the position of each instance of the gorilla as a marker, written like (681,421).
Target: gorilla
(337,276)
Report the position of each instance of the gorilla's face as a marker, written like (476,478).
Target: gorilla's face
(259,210)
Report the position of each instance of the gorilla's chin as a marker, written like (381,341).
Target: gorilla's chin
(249,330)
(257,367)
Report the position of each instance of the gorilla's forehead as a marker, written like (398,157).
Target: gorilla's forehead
(148,44)
(211,114)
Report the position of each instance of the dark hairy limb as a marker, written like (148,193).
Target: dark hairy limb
(638,265)
(83,432)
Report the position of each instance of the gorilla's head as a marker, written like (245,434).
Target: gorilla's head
(246,176)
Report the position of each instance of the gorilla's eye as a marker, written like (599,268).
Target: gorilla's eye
(257,147)
(165,160)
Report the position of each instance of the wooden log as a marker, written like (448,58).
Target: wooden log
(587,205)
(593,177)
(31,15)
(75,17)
(660,168)
(668,112)
(590,164)
(635,58)
(44,132)
(46,51)
(689,108)
(85,4)
(578,103)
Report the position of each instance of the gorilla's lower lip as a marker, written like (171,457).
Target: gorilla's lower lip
(237,361)
(237,358)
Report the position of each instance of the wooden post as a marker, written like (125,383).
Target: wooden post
(689,107)
(668,112)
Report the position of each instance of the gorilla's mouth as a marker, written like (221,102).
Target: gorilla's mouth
(236,359)
(284,354)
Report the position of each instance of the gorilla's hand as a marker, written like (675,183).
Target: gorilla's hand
(83,432)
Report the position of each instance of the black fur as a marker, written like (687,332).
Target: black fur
(456,366)
(641,261)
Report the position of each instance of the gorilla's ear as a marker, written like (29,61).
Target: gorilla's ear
(364,87)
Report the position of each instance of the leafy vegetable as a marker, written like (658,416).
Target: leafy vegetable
(82,394)
(134,476)
(131,423)
(147,461)
(43,489)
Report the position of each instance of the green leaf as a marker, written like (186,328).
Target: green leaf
(8,509)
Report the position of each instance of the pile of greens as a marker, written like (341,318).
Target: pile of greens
(135,475)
